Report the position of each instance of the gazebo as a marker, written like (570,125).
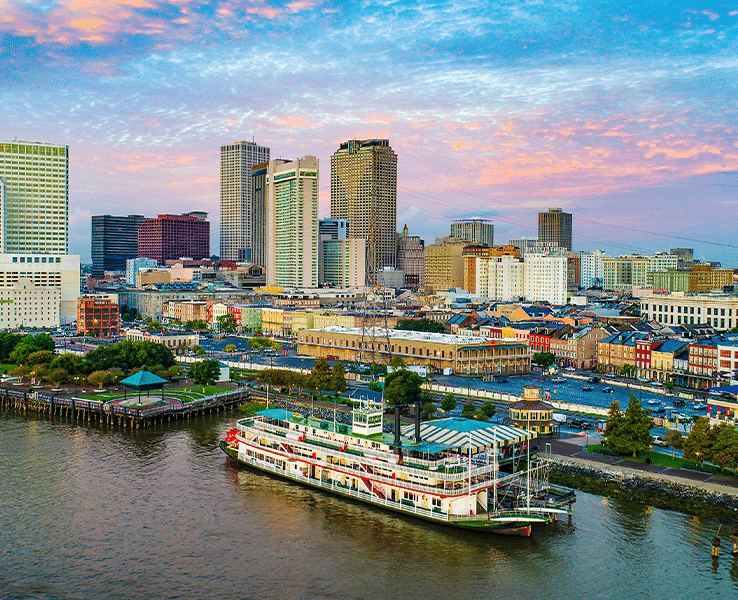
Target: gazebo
(143,381)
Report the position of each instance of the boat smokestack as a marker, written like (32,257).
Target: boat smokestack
(417,422)
(398,441)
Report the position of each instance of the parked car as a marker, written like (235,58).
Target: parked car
(593,380)
(679,403)
(659,441)
(609,390)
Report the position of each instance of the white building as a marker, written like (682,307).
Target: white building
(662,261)
(23,304)
(545,278)
(35,198)
(678,308)
(134,265)
(45,271)
(343,262)
(476,229)
(236,162)
(591,268)
(500,277)
(292,223)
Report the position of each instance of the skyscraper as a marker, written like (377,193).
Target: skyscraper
(35,210)
(236,163)
(292,222)
(481,231)
(114,241)
(170,237)
(364,191)
(555,226)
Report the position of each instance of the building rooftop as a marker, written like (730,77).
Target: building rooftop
(411,336)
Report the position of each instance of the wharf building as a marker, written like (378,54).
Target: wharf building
(475,230)
(236,164)
(364,191)
(292,223)
(469,355)
(555,227)
(114,241)
(169,237)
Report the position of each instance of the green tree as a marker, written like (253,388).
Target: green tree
(101,379)
(397,362)
(469,411)
(698,445)
(40,357)
(448,403)
(426,325)
(544,359)
(627,370)
(674,440)
(374,386)
(71,363)
(196,325)
(488,409)
(428,410)
(198,349)
(724,446)
(230,348)
(57,376)
(320,377)
(205,372)
(227,323)
(629,432)
(338,378)
(402,388)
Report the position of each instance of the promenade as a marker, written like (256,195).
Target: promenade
(571,450)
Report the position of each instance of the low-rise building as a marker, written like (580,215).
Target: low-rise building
(717,310)
(533,414)
(178,342)
(98,316)
(23,304)
(469,355)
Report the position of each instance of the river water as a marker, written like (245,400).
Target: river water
(96,512)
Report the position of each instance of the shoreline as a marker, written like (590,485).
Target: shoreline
(701,499)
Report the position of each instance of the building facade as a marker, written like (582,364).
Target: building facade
(546,278)
(23,304)
(717,310)
(236,163)
(555,227)
(364,191)
(496,277)
(342,262)
(114,241)
(411,258)
(35,211)
(292,223)
(169,237)
(476,230)
(444,264)
(591,269)
(98,316)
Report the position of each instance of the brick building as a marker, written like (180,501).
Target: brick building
(169,237)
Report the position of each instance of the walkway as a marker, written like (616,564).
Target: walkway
(572,450)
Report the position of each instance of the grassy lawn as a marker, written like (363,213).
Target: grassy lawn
(660,459)
(184,394)
(5,368)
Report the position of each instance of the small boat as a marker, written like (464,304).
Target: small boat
(700,406)
(587,388)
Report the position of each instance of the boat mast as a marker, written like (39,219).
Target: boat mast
(470,471)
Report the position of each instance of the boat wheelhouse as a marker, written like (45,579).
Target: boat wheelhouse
(455,471)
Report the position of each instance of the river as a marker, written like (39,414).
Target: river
(95,512)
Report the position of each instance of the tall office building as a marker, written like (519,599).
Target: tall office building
(114,241)
(292,223)
(555,226)
(335,229)
(259,212)
(481,231)
(169,237)
(236,163)
(411,258)
(364,191)
(35,207)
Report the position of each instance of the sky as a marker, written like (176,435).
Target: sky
(622,113)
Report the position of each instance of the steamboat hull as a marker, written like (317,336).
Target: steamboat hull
(508,528)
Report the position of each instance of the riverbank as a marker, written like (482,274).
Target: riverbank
(669,492)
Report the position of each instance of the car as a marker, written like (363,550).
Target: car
(608,390)
(593,380)
(558,380)
(659,441)
(679,403)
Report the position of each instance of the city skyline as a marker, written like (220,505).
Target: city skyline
(623,117)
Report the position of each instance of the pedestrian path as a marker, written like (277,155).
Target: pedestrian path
(575,454)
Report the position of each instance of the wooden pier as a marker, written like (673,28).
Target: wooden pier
(95,411)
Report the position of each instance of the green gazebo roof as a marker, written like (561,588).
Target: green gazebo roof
(143,380)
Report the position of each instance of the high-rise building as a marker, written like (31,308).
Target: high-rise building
(335,229)
(114,241)
(555,226)
(292,223)
(545,278)
(591,268)
(342,262)
(236,163)
(35,207)
(481,231)
(169,237)
(411,258)
(364,191)
(444,264)
(531,244)
(258,255)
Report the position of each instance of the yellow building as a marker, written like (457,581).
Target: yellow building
(272,321)
(469,355)
(444,264)
(302,319)
(532,413)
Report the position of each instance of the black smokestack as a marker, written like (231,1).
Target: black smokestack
(398,442)
(417,422)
